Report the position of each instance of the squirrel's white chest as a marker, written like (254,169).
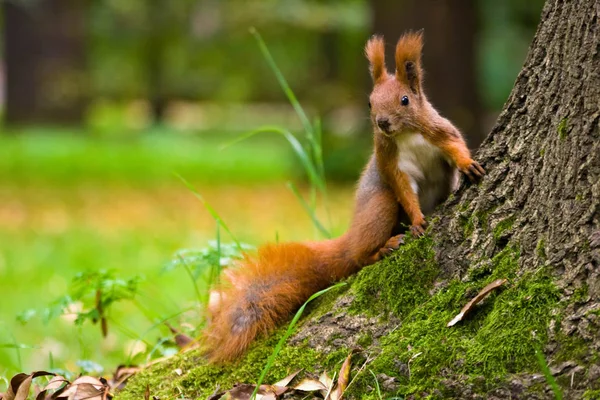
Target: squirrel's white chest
(424,165)
(416,156)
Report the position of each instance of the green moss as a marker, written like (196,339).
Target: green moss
(540,249)
(365,340)
(563,128)
(478,218)
(580,294)
(570,347)
(499,338)
(398,283)
(467,225)
(591,395)
(503,226)
(579,197)
(199,380)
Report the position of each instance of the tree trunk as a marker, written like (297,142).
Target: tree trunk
(534,221)
(44,48)
(449,56)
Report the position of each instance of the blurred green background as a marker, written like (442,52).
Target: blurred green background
(103,101)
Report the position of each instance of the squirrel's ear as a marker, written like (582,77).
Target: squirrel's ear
(408,60)
(375,52)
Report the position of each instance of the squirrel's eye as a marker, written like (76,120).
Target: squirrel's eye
(404,100)
(369,105)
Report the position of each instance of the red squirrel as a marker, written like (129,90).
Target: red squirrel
(414,167)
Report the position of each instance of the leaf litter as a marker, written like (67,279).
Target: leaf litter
(324,386)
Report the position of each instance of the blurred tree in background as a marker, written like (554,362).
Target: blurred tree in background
(45,61)
(123,65)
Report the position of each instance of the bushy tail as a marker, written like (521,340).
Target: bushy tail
(262,292)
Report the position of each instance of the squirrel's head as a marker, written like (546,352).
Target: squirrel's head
(396,100)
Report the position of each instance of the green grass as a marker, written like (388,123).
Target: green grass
(71,158)
(37,268)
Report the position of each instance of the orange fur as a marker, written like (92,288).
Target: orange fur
(417,116)
(408,59)
(375,52)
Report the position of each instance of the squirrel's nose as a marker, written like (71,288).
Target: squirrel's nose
(383,123)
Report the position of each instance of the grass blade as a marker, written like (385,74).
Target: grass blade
(305,160)
(310,211)
(282,82)
(549,378)
(287,334)
(376,385)
(211,211)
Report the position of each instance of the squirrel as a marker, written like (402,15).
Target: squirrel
(414,167)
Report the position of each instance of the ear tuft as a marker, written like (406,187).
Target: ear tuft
(375,52)
(408,60)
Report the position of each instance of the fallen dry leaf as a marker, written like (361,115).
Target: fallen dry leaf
(310,385)
(343,379)
(85,388)
(328,382)
(20,385)
(476,300)
(121,375)
(285,381)
(244,392)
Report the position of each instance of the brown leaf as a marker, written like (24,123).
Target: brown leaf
(85,388)
(20,385)
(182,341)
(147,393)
(310,385)
(285,381)
(328,382)
(240,392)
(121,375)
(476,300)
(55,383)
(343,379)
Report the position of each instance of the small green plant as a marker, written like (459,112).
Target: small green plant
(206,264)
(91,295)
(308,149)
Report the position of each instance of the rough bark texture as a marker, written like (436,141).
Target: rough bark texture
(533,220)
(543,157)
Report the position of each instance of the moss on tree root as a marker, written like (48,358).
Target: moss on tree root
(422,355)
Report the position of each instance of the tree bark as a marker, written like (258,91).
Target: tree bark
(540,203)
(44,48)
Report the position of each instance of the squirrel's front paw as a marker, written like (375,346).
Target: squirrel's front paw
(472,170)
(418,227)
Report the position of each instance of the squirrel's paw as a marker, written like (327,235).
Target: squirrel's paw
(388,248)
(473,171)
(418,228)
